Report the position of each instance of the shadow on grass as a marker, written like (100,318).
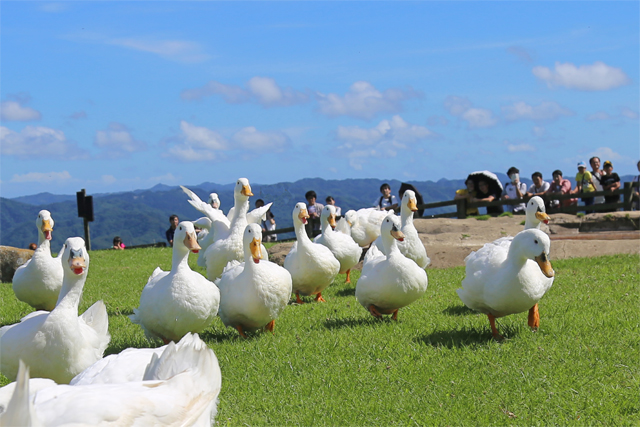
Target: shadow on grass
(346,292)
(119,311)
(458,310)
(351,322)
(466,337)
(114,348)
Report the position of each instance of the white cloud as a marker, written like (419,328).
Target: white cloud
(250,138)
(108,179)
(198,144)
(539,131)
(544,111)
(383,140)
(598,76)
(517,148)
(54,7)
(475,117)
(600,115)
(117,141)
(262,90)
(13,111)
(456,104)
(628,113)
(174,50)
(479,118)
(38,142)
(42,177)
(364,101)
(605,153)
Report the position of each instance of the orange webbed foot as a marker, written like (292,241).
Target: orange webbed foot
(348,276)
(242,334)
(298,300)
(319,297)
(271,326)
(395,315)
(374,312)
(494,330)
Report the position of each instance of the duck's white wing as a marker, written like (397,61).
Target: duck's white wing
(16,407)
(215,215)
(343,226)
(128,365)
(374,251)
(259,214)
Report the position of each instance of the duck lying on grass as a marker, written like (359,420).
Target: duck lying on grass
(505,280)
(392,281)
(178,301)
(179,387)
(253,293)
(59,344)
(312,265)
(38,281)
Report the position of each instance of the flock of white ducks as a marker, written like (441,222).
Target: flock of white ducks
(504,277)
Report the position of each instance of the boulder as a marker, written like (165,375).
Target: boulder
(10,259)
(277,253)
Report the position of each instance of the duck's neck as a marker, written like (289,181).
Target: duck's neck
(43,243)
(71,292)
(326,227)
(406,217)
(530,223)
(514,258)
(180,257)
(301,233)
(239,219)
(389,244)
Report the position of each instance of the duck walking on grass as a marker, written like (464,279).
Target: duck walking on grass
(342,246)
(253,293)
(506,280)
(392,281)
(59,344)
(312,265)
(178,301)
(38,281)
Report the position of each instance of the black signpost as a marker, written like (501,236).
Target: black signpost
(85,211)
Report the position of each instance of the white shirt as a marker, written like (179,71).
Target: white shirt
(510,190)
(543,188)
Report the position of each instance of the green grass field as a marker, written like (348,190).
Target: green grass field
(333,364)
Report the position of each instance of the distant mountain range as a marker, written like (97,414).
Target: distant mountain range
(142,216)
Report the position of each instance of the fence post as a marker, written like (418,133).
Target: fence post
(628,191)
(462,208)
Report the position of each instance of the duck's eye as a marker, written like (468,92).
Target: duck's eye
(536,242)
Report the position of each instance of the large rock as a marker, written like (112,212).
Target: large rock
(10,259)
(278,252)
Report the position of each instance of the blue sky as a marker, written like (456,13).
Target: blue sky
(116,96)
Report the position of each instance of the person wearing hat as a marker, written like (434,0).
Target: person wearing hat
(584,184)
(514,190)
(610,182)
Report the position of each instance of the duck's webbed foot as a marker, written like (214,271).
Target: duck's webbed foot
(319,297)
(534,317)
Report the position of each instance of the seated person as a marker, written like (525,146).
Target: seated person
(269,224)
(467,193)
(559,185)
(514,190)
(117,243)
(539,187)
(387,201)
(610,182)
(483,195)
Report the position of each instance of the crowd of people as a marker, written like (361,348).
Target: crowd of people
(587,182)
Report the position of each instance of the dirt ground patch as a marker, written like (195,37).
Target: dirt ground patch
(449,241)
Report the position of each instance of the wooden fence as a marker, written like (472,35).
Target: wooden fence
(462,205)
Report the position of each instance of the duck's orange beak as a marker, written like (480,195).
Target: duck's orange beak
(256,250)
(303,215)
(246,191)
(191,242)
(545,265)
(47,228)
(543,217)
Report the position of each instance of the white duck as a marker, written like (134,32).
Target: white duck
(344,224)
(312,266)
(343,247)
(178,301)
(365,227)
(501,281)
(38,281)
(412,246)
(227,245)
(59,344)
(535,215)
(390,282)
(253,293)
(180,387)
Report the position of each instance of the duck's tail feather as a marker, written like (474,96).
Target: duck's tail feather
(20,411)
